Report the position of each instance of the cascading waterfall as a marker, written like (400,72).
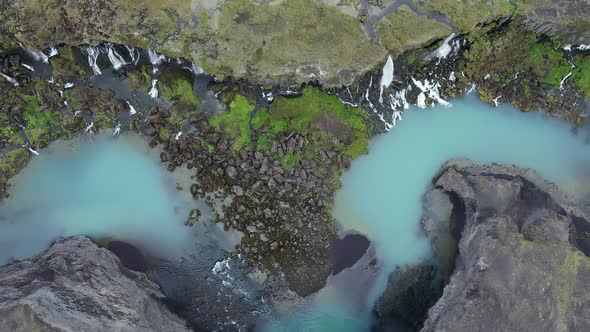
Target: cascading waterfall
(446,48)
(131,50)
(93,53)
(154,90)
(38,56)
(429,89)
(155,58)
(131,109)
(387,77)
(117,130)
(88,128)
(10,80)
(28,66)
(114,57)
(52,51)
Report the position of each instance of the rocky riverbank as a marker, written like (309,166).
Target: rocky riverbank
(521,259)
(77,286)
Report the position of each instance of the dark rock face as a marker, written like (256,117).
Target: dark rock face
(410,292)
(77,286)
(522,262)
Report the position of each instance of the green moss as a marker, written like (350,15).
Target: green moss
(9,134)
(13,161)
(314,108)
(403,30)
(38,123)
(235,122)
(104,120)
(207,145)
(139,79)
(163,133)
(550,65)
(66,67)
(290,160)
(581,74)
(177,88)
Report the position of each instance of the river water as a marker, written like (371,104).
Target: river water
(116,188)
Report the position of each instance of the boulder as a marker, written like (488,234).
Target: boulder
(77,286)
(523,260)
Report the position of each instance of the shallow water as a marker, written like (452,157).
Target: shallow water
(99,186)
(382,194)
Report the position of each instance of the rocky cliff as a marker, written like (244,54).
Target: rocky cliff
(523,255)
(77,286)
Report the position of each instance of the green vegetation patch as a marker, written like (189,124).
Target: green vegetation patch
(315,109)
(139,79)
(39,123)
(404,30)
(235,122)
(547,63)
(176,88)
(581,74)
(66,67)
(514,52)
(12,162)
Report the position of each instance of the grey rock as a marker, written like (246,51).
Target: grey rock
(77,286)
(238,191)
(522,262)
(231,172)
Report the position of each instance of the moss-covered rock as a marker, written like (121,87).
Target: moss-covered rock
(67,67)
(316,110)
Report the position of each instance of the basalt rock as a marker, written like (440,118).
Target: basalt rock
(77,286)
(523,260)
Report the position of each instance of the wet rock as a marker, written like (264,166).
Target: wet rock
(163,157)
(194,189)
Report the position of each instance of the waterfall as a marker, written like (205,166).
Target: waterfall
(131,51)
(10,80)
(155,58)
(37,55)
(28,66)
(117,130)
(445,49)
(115,58)
(131,108)
(154,90)
(52,51)
(430,89)
(387,77)
(93,53)
(89,127)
